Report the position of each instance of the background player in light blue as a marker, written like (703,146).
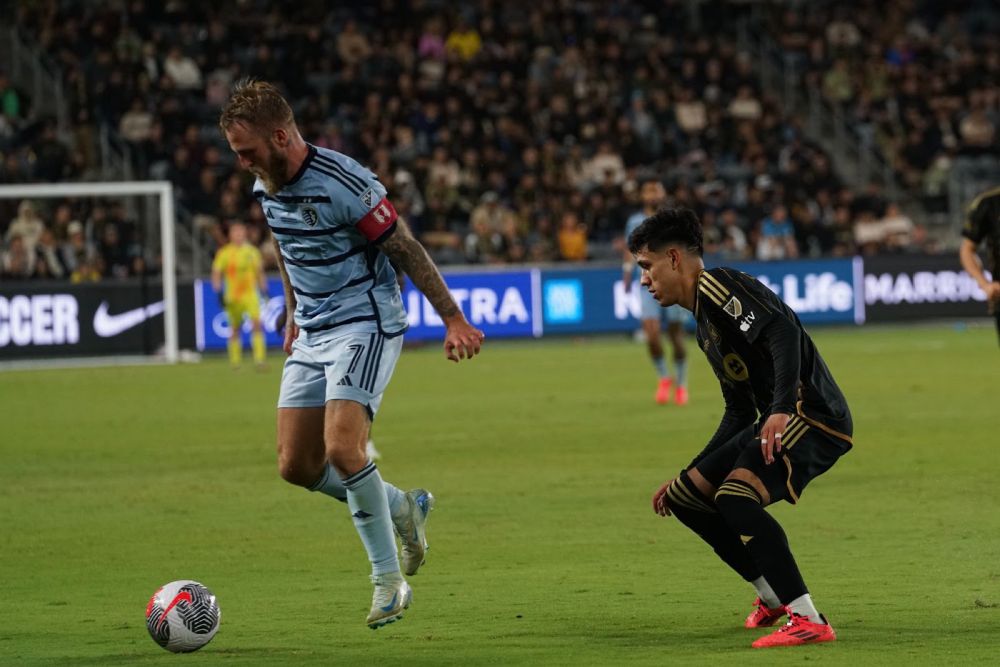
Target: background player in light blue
(654,316)
(334,228)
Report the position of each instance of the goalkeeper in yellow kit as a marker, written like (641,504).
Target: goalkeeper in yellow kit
(238,264)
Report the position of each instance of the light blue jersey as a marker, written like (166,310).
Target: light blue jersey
(328,220)
(633,223)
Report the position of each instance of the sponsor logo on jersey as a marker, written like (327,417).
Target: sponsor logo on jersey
(733,307)
(747,321)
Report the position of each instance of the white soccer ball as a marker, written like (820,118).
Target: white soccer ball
(182,616)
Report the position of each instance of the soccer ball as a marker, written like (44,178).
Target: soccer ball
(182,616)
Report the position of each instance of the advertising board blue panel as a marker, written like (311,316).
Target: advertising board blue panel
(592,300)
(588,301)
(822,291)
(501,303)
(576,300)
(212,325)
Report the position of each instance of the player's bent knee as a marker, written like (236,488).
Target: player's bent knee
(297,469)
(683,496)
(738,502)
(750,478)
(294,472)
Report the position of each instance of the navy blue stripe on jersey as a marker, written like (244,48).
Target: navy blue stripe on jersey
(305,165)
(350,187)
(324,295)
(324,261)
(334,325)
(378,318)
(292,231)
(353,178)
(292,199)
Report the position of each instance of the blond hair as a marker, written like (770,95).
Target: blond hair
(257,104)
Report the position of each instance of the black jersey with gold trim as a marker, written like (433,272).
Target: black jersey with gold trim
(734,312)
(982,221)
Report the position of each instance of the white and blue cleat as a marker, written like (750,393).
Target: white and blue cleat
(391,597)
(412,530)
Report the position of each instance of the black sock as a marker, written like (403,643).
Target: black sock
(699,514)
(740,505)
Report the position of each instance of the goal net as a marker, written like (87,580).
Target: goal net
(88,271)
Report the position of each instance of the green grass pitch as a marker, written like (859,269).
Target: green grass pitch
(543,457)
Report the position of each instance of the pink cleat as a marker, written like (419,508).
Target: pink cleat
(681,397)
(663,391)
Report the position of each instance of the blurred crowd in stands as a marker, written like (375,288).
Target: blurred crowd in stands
(919,81)
(504,132)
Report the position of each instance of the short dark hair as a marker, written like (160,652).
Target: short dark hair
(666,226)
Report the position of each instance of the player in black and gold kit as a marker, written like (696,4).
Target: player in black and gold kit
(982,223)
(785,422)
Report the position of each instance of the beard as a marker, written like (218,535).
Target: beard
(273,175)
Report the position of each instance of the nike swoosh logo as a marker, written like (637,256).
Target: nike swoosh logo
(183,596)
(392,603)
(107,325)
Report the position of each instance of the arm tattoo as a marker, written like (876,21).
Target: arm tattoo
(407,252)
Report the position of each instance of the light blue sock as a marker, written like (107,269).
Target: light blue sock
(370,512)
(331,484)
(682,372)
(661,367)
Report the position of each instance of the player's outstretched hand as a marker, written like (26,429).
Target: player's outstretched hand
(660,500)
(993,293)
(770,436)
(462,340)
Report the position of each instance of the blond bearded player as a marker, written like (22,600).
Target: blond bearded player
(335,230)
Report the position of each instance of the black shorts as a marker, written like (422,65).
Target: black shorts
(808,451)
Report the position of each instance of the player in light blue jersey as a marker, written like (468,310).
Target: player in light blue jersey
(653,196)
(334,230)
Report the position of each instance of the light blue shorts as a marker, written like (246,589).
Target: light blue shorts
(324,366)
(652,310)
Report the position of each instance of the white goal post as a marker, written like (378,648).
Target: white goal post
(162,189)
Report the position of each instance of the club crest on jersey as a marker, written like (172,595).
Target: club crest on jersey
(733,307)
(368,198)
(734,367)
(310,215)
